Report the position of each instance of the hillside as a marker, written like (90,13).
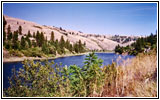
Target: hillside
(93,41)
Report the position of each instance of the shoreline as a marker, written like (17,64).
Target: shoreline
(20,59)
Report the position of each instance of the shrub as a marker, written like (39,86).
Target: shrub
(33,52)
(17,53)
(92,74)
(46,80)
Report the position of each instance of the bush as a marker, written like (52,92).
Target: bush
(33,52)
(17,53)
(35,79)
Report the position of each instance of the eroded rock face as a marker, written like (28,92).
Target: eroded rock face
(93,42)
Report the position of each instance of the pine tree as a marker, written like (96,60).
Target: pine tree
(70,48)
(42,39)
(56,44)
(20,30)
(80,46)
(38,38)
(67,44)
(29,34)
(29,41)
(34,35)
(52,36)
(8,29)
(4,25)
(62,44)
(15,40)
(23,43)
(76,48)
(9,36)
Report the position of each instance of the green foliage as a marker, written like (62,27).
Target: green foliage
(48,80)
(141,45)
(76,81)
(15,40)
(33,52)
(8,45)
(49,48)
(92,73)
(20,30)
(29,34)
(79,47)
(23,43)
(38,36)
(9,33)
(34,35)
(17,53)
(62,45)
(9,36)
(52,36)
(9,29)
(28,41)
(119,49)
(4,25)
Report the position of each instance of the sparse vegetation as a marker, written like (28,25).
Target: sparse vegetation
(47,48)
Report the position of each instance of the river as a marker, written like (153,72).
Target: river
(78,60)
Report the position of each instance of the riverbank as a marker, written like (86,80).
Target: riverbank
(18,59)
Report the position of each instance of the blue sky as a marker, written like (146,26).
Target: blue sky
(99,18)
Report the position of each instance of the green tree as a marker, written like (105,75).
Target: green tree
(15,40)
(9,36)
(80,46)
(9,29)
(38,36)
(29,34)
(45,48)
(67,44)
(119,49)
(70,48)
(92,73)
(4,25)
(76,48)
(23,43)
(29,41)
(62,44)
(20,30)
(42,38)
(34,35)
(52,36)
(77,84)
(9,33)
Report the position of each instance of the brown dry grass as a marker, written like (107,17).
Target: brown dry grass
(136,79)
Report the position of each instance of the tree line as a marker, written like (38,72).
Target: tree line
(143,44)
(39,42)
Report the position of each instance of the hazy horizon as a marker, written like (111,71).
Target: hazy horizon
(97,18)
